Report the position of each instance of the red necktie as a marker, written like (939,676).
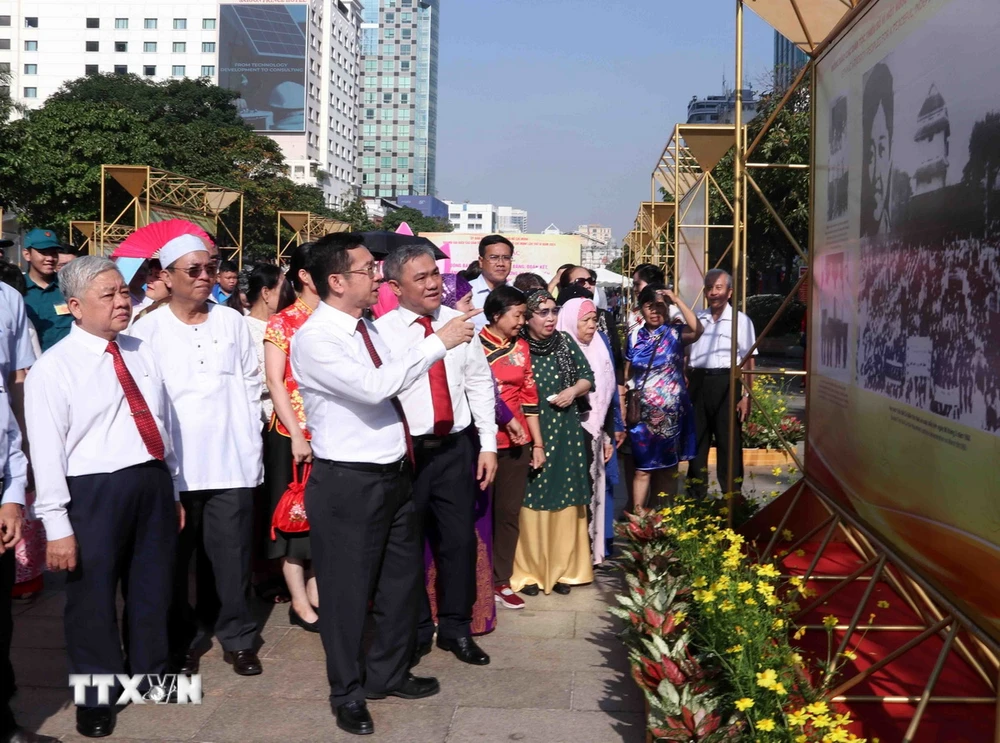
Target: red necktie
(377,360)
(444,414)
(144,420)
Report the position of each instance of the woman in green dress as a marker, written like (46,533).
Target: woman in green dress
(553,550)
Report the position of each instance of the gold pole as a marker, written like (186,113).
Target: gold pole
(100,242)
(911,731)
(738,197)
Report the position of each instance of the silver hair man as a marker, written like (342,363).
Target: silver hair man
(76,276)
(392,268)
(715,274)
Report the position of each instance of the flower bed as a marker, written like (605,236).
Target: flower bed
(707,632)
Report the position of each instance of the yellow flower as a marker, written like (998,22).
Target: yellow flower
(830,621)
(801,739)
(795,580)
(817,708)
(751,601)
(767,679)
(727,605)
(798,718)
(735,649)
(796,659)
(822,721)
(722,584)
(882,604)
(679,616)
(850,655)
(767,724)
(779,689)
(744,586)
(800,553)
(787,534)
(842,720)
(799,633)
(739,630)
(765,589)
(776,471)
(768,571)
(700,582)
(778,624)
(744,704)
(706,597)
(772,600)
(837,735)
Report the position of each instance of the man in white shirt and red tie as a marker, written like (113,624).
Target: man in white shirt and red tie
(440,408)
(210,370)
(709,365)
(363,527)
(97,418)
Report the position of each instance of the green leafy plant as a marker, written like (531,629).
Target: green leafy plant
(770,405)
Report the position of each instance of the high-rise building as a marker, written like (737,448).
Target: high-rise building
(294,66)
(721,109)
(511,220)
(788,60)
(466,217)
(399,53)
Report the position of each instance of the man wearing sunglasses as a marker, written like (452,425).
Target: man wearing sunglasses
(496,256)
(210,372)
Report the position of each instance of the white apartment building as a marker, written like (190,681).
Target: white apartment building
(466,217)
(511,220)
(598,247)
(44,43)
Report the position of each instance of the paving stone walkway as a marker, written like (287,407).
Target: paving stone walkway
(558,673)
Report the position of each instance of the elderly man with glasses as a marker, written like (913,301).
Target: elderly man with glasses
(210,370)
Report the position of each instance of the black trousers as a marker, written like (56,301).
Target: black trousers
(509,488)
(7,722)
(125,525)
(444,495)
(219,531)
(710,399)
(365,547)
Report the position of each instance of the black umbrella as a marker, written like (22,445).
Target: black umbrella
(381,243)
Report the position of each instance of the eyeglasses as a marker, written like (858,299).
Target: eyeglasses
(550,312)
(584,281)
(499,258)
(194,272)
(371,271)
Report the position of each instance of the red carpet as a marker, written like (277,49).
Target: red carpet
(907,675)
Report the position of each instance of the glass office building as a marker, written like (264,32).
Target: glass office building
(788,60)
(399,53)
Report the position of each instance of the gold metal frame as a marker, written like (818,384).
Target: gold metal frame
(87,230)
(151,187)
(305,227)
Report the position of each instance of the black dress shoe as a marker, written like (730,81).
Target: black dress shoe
(20,735)
(187,664)
(246,663)
(353,718)
(95,722)
(561,588)
(298,621)
(466,650)
(531,589)
(422,649)
(413,687)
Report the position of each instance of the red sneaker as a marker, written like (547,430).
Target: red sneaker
(505,596)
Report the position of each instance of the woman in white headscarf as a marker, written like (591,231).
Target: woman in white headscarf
(578,318)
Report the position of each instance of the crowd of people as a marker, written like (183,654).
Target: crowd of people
(450,450)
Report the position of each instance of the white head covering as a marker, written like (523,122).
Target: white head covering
(178,247)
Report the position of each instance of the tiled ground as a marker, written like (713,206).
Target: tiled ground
(557,674)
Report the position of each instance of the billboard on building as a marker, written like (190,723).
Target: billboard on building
(262,58)
(541,254)
(904,419)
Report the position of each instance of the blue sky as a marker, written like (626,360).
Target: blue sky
(562,107)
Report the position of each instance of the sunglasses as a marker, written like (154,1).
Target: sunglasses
(194,272)
(584,281)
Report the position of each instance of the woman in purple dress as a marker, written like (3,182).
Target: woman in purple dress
(457,294)
(664,436)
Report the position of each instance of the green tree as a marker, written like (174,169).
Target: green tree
(615,266)
(984,158)
(787,141)
(357,215)
(416,220)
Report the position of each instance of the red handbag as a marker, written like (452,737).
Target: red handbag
(290,513)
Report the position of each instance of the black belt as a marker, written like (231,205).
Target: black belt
(713,372)
(430,441)
(383,469)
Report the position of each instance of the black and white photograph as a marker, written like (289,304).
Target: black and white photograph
(838,178)
(929,271)
(833,292)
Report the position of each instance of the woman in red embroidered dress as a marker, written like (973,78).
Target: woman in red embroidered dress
(288,438)
(510,359)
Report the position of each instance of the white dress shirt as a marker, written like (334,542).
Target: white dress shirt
(348,401)
(214,387)
(470,381)
(16,351)
(480,291)
(15,465)
(713,350)
(79,422)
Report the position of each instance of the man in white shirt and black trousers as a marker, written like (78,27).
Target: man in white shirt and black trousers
(105,481)
(440,406)
(709,365)
(211,374)
(363,526)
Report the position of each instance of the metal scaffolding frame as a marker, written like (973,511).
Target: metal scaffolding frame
(151,189)
(305,227)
